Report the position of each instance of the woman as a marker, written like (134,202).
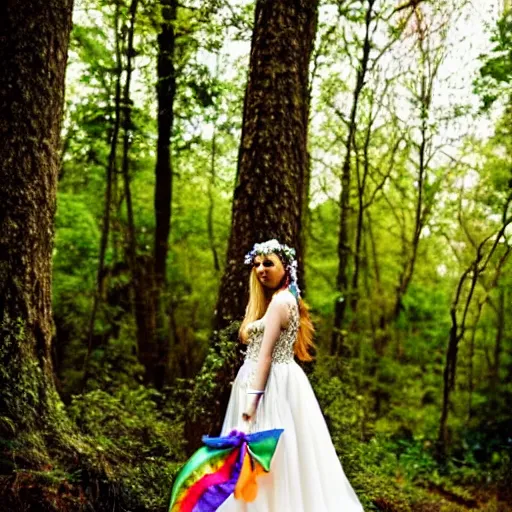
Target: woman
(271,391)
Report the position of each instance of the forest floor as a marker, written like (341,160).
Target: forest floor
(444,500)
(50,490)
(438,498)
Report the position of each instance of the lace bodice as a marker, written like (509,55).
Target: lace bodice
(283,349)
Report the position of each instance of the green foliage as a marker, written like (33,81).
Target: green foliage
(145,440)
(112,366)
(496,72)
(382,404)
(387,472)
(128,422)
(74,263)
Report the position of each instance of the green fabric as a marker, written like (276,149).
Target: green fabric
(203,456)
(263,450)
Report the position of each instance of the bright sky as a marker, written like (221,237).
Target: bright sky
(467,39)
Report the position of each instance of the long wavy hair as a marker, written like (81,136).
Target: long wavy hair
(258,304)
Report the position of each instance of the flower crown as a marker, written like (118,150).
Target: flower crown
(286,254)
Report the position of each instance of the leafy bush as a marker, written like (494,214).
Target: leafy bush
(145,442)
(128,423)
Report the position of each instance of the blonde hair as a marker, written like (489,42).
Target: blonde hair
(258,304)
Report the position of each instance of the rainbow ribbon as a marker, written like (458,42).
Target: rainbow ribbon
(225,465)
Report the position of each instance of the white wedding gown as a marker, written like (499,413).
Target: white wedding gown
(305,474)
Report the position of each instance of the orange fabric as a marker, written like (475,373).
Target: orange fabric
(246,486)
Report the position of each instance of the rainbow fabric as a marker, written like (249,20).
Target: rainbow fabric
(223,466)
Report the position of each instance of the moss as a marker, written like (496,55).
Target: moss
(20,374)
(209,391)
(48,464)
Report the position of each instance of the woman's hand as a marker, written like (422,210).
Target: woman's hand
(251,406)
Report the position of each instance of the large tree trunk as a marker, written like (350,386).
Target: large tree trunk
(273,158)
(271,175)
(34,37)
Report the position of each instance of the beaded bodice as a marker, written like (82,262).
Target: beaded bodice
(283,349)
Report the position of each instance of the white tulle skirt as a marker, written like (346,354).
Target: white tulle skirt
(305,474)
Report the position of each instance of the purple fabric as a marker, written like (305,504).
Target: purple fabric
(216,495)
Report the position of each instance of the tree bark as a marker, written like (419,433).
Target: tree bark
(34,38)
(272,169)
(273,159)
(166,91)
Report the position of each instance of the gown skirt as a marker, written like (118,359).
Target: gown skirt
(305,474)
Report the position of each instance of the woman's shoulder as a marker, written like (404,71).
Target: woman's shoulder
(284,302)
(284,297)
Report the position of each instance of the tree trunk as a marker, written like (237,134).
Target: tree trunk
(140,267)
(211,202)
(419,220)
(342,283)
(429,62)
(498,345)
(272,169)
(110,174)
(166,92)
(272,164)
(211,188)
(361,190)
(33,52)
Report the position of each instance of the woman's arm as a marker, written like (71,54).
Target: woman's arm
(276,318)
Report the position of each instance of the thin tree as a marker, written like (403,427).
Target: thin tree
(429,32)
(110,178)
(143,320)
(468,281)
(429,64)
(364,171)
(347,290)
(211,188)
(342,280)
(166,92)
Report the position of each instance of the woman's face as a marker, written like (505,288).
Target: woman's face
(269,270)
